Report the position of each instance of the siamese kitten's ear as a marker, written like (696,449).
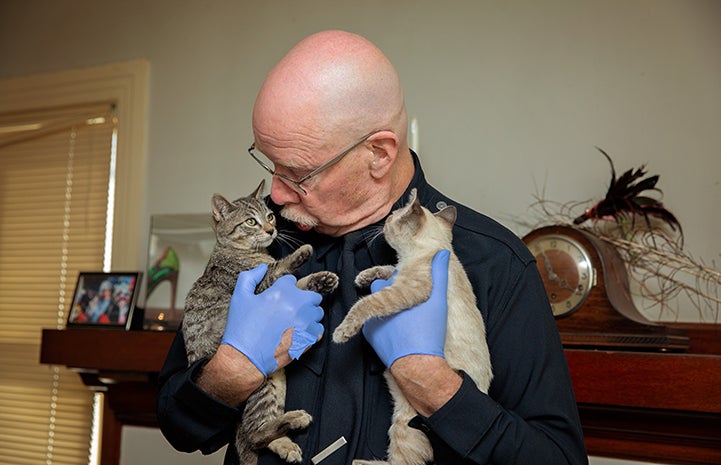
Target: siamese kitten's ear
(448,214)
(414,203)
(221,207)
(412,196)
(416,207)
(258,192)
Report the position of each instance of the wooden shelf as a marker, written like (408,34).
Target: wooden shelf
(649,406)
(112,350)
(659,407)
(122,364)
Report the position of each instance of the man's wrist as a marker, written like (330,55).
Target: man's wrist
(230,376)
(427,381)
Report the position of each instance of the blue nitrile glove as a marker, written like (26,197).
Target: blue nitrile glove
(417,330)
(256,322)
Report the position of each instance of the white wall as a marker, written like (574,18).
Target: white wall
(511,96)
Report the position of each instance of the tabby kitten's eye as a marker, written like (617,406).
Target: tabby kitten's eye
(271,217)
(251,222)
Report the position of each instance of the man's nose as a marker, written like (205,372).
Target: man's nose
(281,193)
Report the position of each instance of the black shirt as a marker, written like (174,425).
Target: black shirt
(528,417)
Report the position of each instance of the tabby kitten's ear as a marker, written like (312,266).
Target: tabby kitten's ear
(221,207)
(448,214)
(258,192)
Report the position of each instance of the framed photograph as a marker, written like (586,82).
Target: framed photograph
(104,299)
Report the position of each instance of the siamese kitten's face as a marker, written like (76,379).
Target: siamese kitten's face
(414,226)
(246,223)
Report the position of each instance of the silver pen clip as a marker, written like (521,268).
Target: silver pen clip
(322,455)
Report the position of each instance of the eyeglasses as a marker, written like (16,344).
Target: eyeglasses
(259,157)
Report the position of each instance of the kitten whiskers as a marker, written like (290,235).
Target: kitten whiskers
(288,239)
(373,233)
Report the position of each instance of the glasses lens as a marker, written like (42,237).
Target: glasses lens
(261,159)
(268,166)
(292,184)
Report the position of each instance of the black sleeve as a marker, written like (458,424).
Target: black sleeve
(188,417)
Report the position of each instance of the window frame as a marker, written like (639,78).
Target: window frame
(125,84)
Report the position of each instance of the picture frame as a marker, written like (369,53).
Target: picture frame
(105,300)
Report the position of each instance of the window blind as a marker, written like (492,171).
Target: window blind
(54,177)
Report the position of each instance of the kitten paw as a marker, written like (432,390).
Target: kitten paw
(367,276)
(292,455)
(300,256)
(295,420)
(286,449)
(322,282)
(345,331)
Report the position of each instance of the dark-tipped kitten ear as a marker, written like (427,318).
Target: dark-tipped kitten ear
(412,196)
(221,207)
(415,204)
(416,207)
(258,192)
(448,214)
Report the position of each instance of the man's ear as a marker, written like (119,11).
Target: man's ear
(384,145)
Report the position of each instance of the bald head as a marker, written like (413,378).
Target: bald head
(331,83)
(332,89)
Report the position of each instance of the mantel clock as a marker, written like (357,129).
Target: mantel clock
(588,289)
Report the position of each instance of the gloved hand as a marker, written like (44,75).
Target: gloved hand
(417,330)
(256,322)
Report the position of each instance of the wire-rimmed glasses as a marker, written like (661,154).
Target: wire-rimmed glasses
(266,164)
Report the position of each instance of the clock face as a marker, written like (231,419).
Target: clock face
(566,270)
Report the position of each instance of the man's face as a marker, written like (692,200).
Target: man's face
(333,197)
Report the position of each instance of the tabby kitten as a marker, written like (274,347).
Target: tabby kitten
(244,228)
(417,234)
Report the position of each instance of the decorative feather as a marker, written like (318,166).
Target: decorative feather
(624,197)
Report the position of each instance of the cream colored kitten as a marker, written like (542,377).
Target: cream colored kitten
(417,234)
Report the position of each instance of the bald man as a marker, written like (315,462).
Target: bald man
(330,125)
